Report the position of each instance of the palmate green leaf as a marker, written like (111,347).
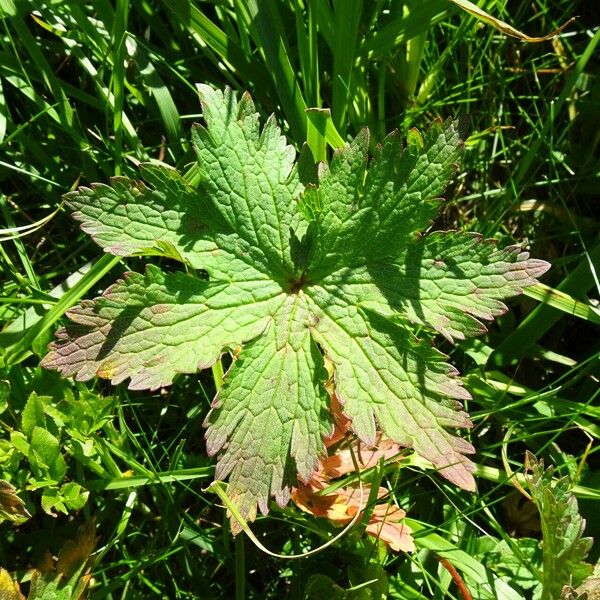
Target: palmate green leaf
(413,393)
(287,265)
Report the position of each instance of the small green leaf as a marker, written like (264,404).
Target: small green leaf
(68,497)
(4,395)
(45,456)
(19,441)
(75,497)
(51,501)
(563,545)
(33,414)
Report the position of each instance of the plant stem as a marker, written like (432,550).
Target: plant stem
(240,566)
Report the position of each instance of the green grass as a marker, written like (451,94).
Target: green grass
(87,90)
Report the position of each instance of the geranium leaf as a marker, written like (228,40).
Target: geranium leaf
(383,375)
(291,266)
(134,217)
(373,215)
(271,414)
(250,175)
(403,186)
(153,326)
(447,281)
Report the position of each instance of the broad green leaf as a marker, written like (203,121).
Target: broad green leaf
(142,217)
(563,545)
(403,185)
(383,375)
(447,281)
(289,264)
(366,217)
(249,175)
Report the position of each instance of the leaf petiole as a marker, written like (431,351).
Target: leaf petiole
(216,487)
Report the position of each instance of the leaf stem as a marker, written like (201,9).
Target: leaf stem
(216,487)
(240,567)
(458,580)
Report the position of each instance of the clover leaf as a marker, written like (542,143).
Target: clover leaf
(288,265)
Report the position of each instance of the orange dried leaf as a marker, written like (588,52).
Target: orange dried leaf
(341,505)
(341,462)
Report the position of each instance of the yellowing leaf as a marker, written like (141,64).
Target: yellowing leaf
(12,508)
(504,27)
(68,577)
(9,589)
